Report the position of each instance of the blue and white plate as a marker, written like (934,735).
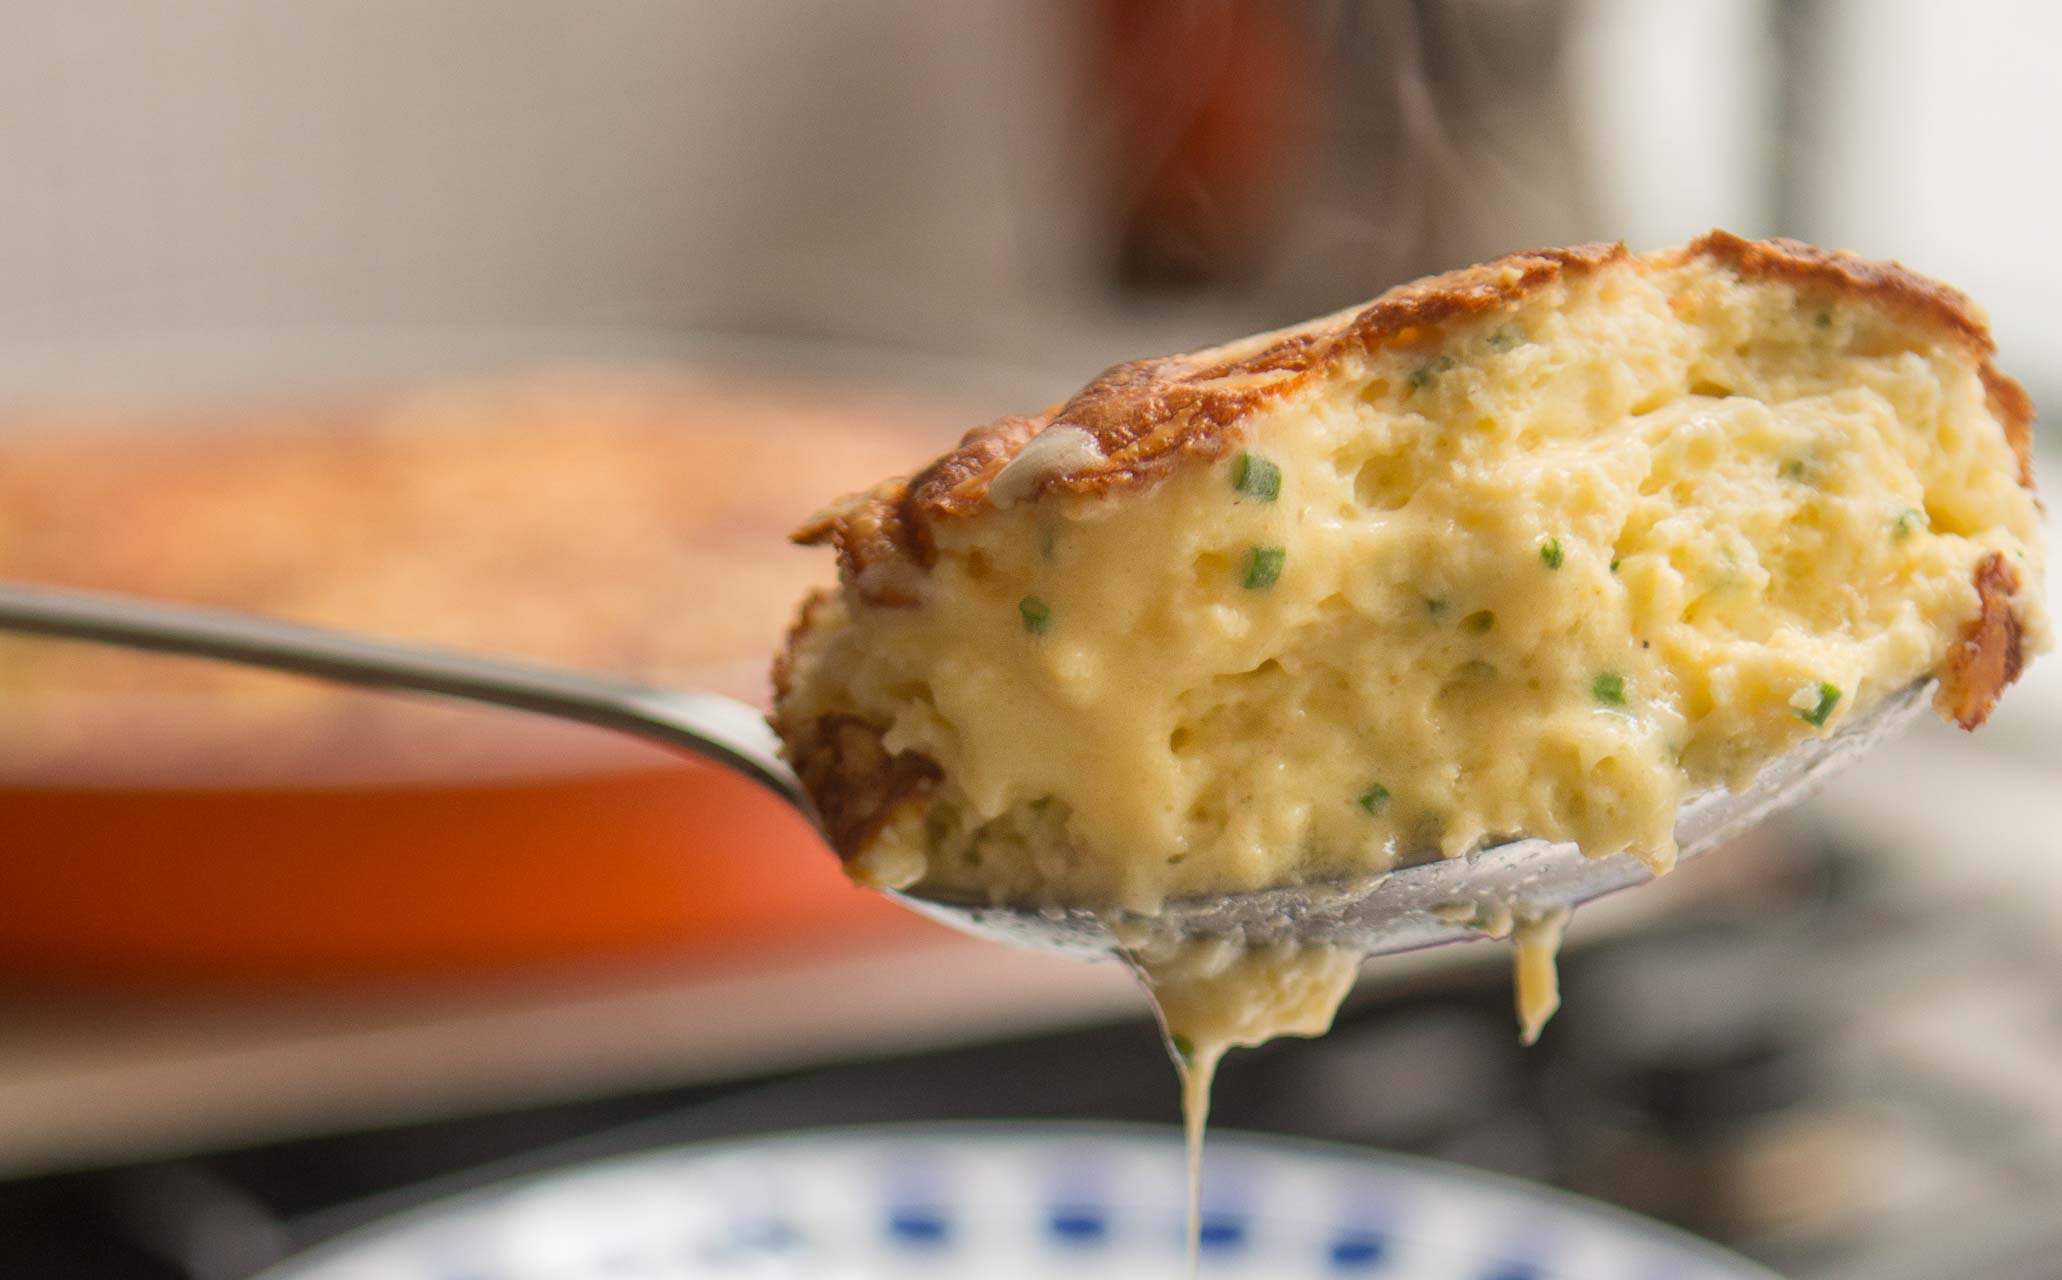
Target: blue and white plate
(1012,1203)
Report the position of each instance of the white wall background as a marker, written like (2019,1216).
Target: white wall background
(184,179)
(1941,147)
(1678,113)
(1924,131)
(193,190)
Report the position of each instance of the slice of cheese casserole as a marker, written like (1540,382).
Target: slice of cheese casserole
(1541,546)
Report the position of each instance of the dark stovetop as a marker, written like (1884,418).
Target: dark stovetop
(1728,1072)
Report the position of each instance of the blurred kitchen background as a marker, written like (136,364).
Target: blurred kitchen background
(531,325)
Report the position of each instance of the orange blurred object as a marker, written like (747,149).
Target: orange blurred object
(174,821)
(271,884)
(1210,117)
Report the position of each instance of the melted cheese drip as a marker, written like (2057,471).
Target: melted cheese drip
(1537,980)
(1212,997)
(1536,941)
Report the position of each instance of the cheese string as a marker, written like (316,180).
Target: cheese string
(1198,1069)
(1196,1066)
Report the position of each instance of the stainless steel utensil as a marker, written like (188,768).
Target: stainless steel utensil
(1398,910)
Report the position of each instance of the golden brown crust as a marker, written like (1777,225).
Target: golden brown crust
(858,786)
(2009,401)
(1895,288)
(1887,284)
(1406,314)
(1148,417)
(808,617)
(1988,656)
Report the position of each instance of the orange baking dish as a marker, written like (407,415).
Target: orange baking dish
(167,820)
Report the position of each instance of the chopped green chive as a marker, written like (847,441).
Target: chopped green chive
(1423,373)
(1436,607)
(1502,340)
(1792,470)
(1479,623)
(1614,564)
(1256,478)
(1183,1048)
(1264,566)
(1375,798)
(1608,689)
(1550,553)
(1037,614)
(1909,521)
(1829,698)
(1824,320)
(1048,542)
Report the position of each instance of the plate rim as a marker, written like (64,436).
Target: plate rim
(1428,1169)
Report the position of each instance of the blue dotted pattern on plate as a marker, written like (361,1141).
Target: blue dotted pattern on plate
(1359,1252)
(989,1206)
(922,1228)
(1346,1251)
(1077,1224)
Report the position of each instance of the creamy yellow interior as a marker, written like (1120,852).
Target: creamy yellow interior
(1545,574)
